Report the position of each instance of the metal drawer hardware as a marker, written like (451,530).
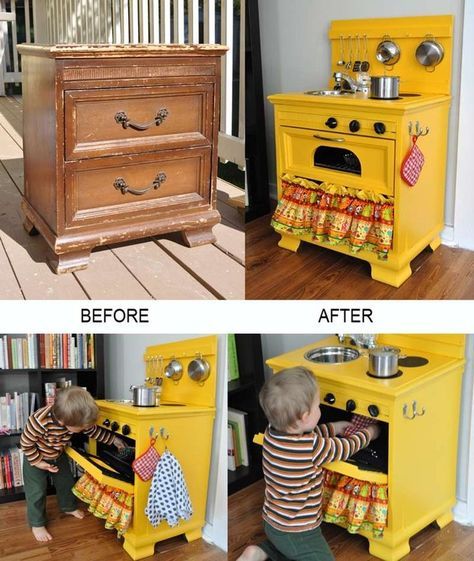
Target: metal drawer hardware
(121,184)
(415,412)
(329,138)
(122,119)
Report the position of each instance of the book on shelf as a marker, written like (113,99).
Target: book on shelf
(11,472)
(237,419)
(233,364)
(18,352)
(230,449)
(74,350)
(15,408)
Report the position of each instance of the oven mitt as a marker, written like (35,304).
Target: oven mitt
(358,422)
(144,466)
(412,164)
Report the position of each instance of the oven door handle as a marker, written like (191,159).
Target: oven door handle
(329,138)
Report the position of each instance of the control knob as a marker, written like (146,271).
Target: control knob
(330,398)
(126,430)
(354,126)
(379,128)
(114,426)
(331,123)
(373,410)
(106,423)
(350,405)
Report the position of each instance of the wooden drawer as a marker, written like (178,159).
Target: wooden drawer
(132,120)
(375,156)
(116,188)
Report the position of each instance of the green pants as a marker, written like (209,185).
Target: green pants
(35,485)
(295,546)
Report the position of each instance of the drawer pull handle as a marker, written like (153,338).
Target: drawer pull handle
(122,119)
(329,138)
(121,184)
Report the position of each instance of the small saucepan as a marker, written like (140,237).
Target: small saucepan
(199,370)
(383,361)
(429,53)
(384,87)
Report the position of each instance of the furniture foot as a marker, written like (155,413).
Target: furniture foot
(201,236)
(289,242)
(390,276)
(69,262)
(140,552)
(444,519)
(193,535)
(29,227)
(435,243)
(383,551)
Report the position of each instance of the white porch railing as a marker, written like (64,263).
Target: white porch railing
(141,21)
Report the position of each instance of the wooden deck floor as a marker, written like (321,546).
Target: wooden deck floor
(154,268)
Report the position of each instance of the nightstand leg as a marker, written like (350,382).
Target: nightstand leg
(289,242)
(435,243)
(29,227)
(390,276)
(69,262)
(193,535)
(444,519)
(387,553)
(201,236)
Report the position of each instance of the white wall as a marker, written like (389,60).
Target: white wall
(124,366)
(273,345)
(296,55)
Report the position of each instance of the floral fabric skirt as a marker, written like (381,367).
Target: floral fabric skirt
(335,214)
(112,505)
(355,504)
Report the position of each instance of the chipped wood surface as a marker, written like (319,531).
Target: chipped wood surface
(153,268)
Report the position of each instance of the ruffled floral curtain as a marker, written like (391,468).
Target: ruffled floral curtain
(111,504)
(335,214)
(355,504)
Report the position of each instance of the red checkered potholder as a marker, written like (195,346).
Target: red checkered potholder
(412,164)
(144,466)
(358,422)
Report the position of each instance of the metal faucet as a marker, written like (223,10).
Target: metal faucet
(359,340)
(341,79)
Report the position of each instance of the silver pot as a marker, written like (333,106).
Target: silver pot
(388,52)
(145,397)
(384,87)
(383,361)
(174,370)
(429,53)
(199,370)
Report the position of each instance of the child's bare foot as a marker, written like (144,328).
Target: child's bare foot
(253,553)
(41,534)
(76,513)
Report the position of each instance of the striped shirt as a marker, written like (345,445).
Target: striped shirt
(294,476)
(44,438)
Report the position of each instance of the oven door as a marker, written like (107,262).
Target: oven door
(100,470)
(354,161)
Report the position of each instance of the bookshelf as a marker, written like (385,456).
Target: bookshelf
(243,395)
(41,369)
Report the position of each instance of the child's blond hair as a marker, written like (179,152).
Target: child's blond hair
(75,407)
(287,395)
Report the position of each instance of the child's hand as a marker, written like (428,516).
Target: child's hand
(340,427)
(374,431)
(47,467)
(119,443)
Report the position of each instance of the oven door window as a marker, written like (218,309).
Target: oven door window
(337,159)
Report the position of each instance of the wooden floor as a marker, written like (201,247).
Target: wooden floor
(154,268)
(316,273)
(452,543)
(83,540)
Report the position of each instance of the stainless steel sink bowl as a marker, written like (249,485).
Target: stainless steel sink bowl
(332,355)
(328,92)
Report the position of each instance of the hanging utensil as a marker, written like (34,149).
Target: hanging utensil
(199,369)
(341,61)
(174,370)
(429,53)
(388,52)
(365,65)
(349,62)
(356,66)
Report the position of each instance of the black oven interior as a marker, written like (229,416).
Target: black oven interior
(372,458)
(339,159)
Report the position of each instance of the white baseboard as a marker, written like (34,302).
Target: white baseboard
(213,537)
(462,514)
(447,237)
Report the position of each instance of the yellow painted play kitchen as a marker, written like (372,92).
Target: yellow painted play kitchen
(418,407)
(182,423)
(361,166)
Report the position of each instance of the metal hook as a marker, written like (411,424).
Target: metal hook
(415,412)
(164,433)
(405,413)
(414,409)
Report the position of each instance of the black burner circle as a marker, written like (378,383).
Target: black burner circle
(399,373)
(413,361)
